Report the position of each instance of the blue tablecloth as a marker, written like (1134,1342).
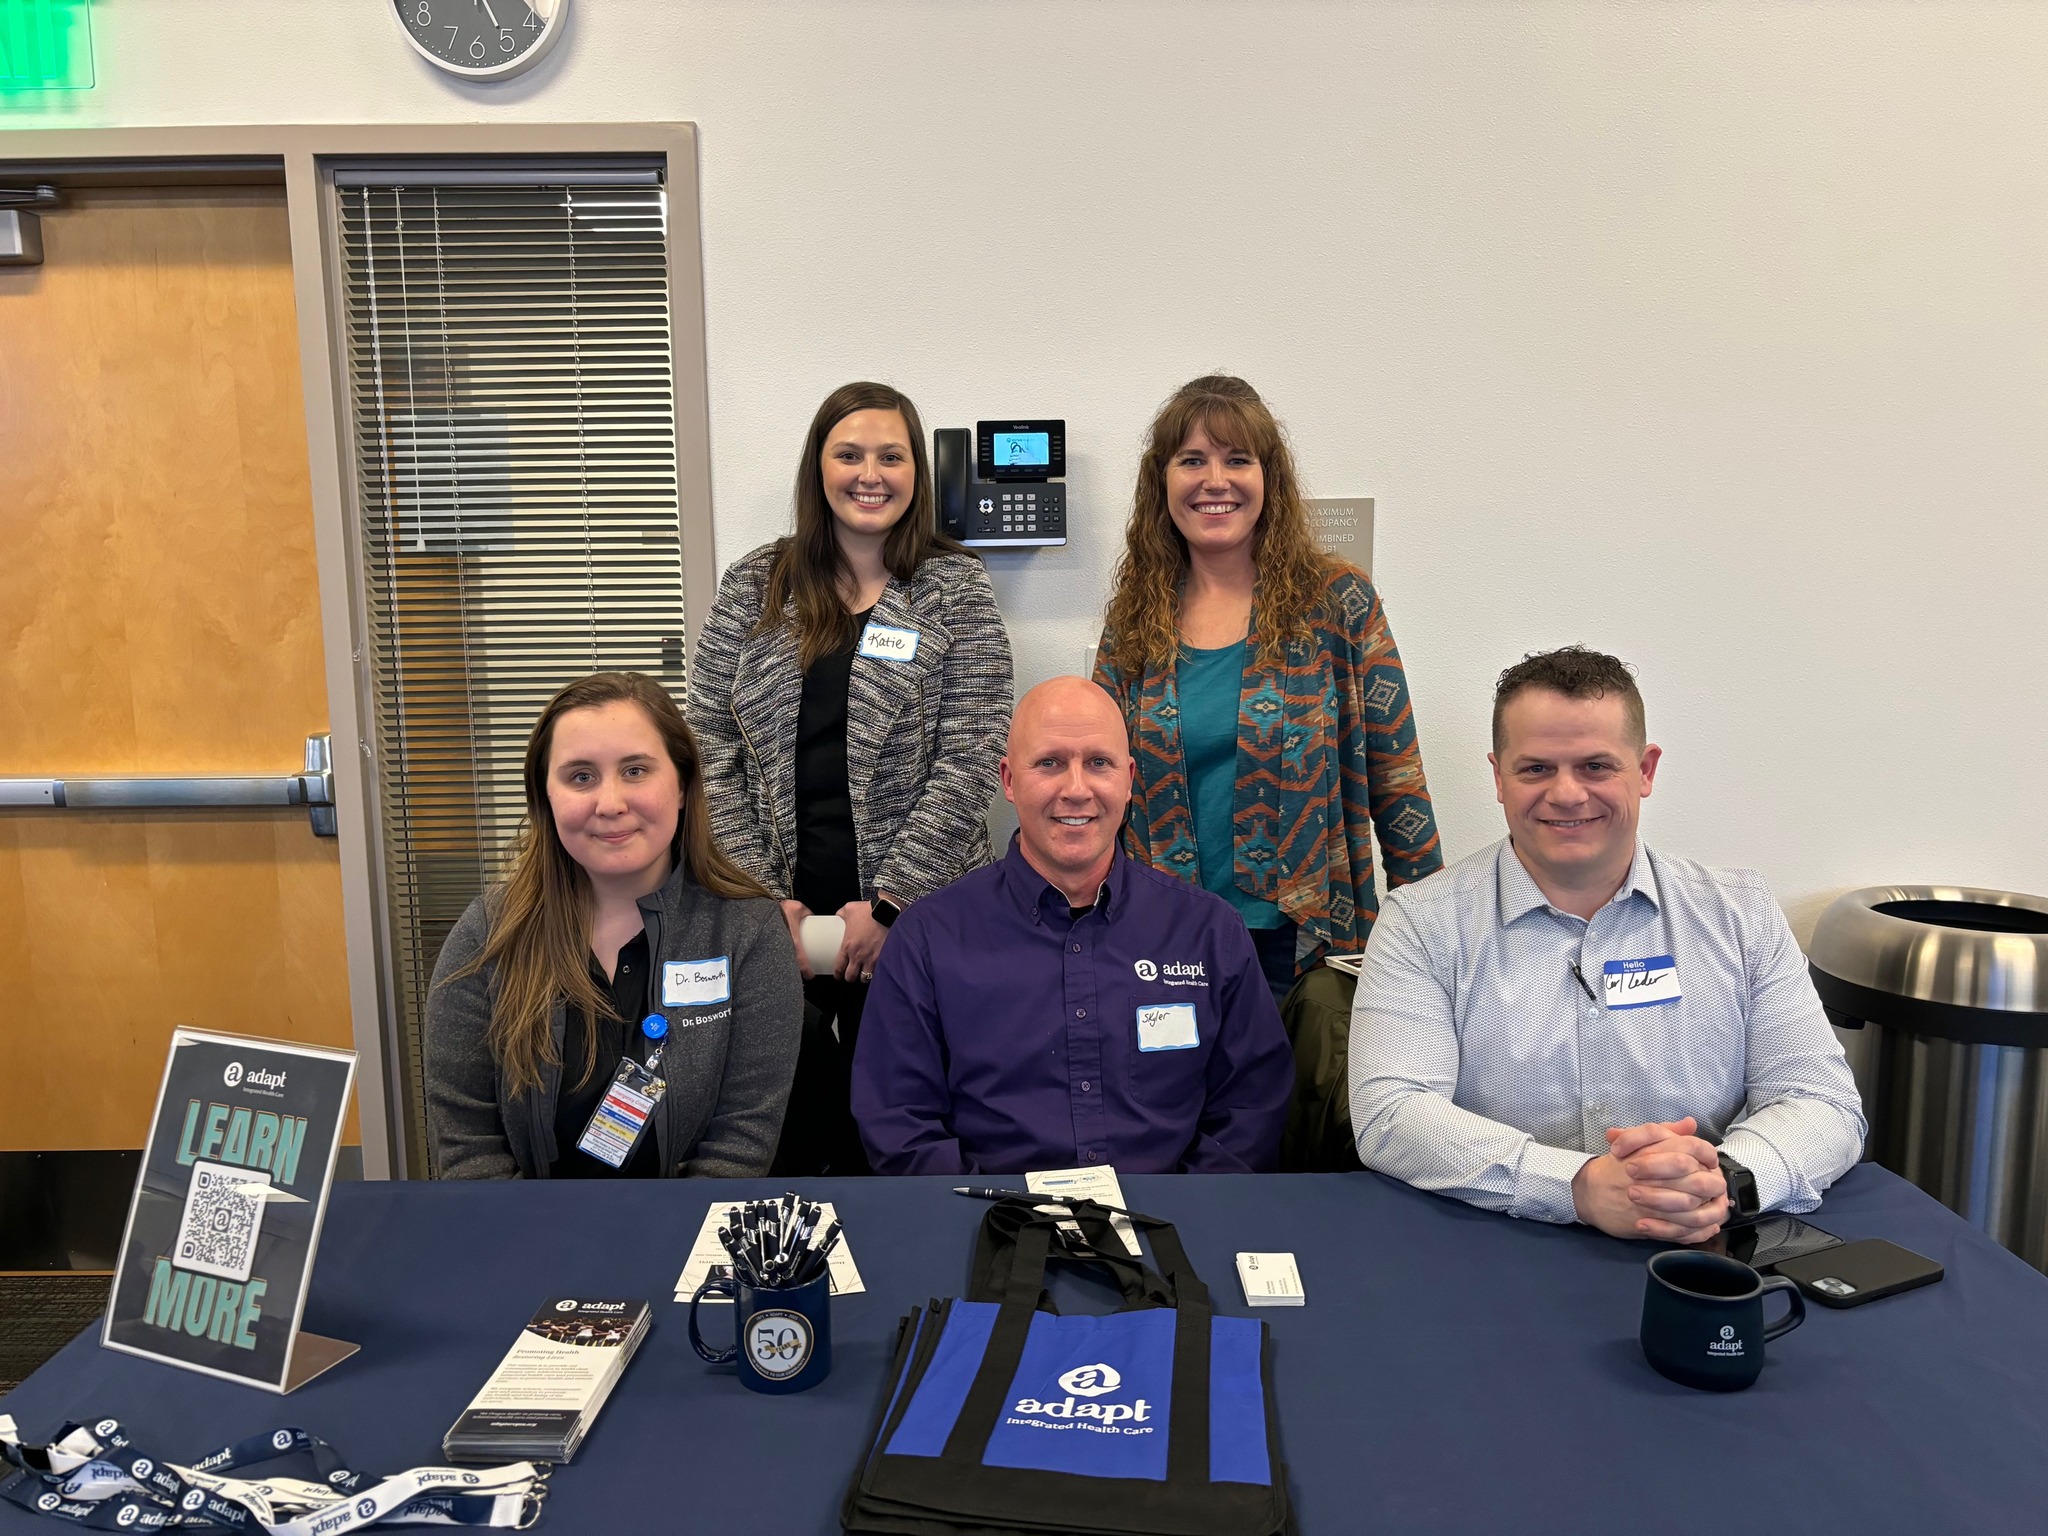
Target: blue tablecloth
(1453,1371)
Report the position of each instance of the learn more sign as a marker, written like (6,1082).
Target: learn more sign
(227,1210)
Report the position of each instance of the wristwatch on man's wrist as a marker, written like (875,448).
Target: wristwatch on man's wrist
(886,911)
(1742,1200)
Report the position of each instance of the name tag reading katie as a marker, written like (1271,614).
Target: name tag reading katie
(684,982)
(888,644)
(1639,983)
(1167,1027)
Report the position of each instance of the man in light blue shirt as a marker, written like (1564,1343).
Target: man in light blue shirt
(1571,1026)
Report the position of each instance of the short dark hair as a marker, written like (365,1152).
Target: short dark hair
(1577,673)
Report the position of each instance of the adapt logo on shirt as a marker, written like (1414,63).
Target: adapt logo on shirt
(1175,973)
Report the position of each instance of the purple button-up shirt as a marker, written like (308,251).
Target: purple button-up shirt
(1002,1034)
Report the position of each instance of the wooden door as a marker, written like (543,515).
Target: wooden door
(159,614)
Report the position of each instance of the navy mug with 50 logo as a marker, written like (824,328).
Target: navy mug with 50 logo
(1703,1319)
(784,1340)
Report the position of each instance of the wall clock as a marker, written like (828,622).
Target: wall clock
(482,39)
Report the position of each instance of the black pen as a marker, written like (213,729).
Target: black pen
(1579,977)
(981,1192)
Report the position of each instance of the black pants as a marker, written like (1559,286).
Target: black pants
(818,1133)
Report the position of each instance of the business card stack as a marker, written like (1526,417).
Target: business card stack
(1270,1280)
(547,1391)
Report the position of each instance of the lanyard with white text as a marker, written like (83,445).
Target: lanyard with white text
(100,1479)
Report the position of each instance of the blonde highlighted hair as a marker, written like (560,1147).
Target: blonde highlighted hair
(541,914)
(1143,621)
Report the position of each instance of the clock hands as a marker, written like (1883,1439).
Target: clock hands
(486,4)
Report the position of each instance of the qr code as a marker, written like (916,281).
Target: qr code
(223,1216)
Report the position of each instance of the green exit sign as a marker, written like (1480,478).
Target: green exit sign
(45,45)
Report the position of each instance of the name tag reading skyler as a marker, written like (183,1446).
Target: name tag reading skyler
(888,644)
(1167,1027)
(686,982)
(1639,983)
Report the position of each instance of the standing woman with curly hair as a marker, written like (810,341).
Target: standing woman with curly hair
(852,691)
(1267,708)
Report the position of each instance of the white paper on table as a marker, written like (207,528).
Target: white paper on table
(707,1253)
(1097,1184)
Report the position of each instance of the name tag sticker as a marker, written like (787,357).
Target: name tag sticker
(686,982)
(1167,1027)
(888,644)
(1641,983)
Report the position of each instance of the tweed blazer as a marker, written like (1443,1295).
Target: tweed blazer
(922,736)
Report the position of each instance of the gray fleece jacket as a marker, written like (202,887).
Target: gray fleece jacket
(728,1064)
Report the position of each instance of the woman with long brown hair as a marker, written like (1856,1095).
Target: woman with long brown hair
(1266,703)
(621,931)
(852,689)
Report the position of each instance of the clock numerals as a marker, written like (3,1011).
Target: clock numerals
(485,38)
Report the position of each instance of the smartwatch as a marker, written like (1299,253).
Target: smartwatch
(1742,1201)
(886,911)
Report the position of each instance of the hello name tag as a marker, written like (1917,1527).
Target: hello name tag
(1640,983)
(687,982)
(1167,1027)
(887,644)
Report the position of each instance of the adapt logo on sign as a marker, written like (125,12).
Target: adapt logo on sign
(1087,1382)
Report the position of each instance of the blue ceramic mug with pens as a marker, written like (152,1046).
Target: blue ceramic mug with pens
(783,1338)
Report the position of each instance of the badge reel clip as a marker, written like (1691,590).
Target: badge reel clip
(621,1116)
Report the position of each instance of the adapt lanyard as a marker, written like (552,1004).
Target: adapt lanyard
(102,1480)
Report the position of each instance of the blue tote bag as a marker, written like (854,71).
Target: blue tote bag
(1007,1416)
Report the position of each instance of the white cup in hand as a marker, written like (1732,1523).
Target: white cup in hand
(822,938)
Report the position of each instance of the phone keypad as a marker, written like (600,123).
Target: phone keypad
(1006,514)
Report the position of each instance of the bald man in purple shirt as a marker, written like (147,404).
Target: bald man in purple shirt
(1065,1007)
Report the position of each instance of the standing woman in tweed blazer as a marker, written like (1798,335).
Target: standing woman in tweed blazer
(852,693)
(1267,706)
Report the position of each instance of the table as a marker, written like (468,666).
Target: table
(1453,1371)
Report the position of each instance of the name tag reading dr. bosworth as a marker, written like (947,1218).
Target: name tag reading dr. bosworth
(1639,983)
(684,982)
(888,644)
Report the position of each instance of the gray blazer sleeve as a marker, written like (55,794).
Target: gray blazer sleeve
(465,1129)
(734,821)
(974,727)
(760,1061)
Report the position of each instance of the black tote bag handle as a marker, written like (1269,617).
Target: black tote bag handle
(1096,1243)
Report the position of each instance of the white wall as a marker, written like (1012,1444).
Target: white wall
(1714,335)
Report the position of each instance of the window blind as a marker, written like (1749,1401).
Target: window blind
(514,415)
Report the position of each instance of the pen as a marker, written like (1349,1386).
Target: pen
(1579,977)
(980,1192)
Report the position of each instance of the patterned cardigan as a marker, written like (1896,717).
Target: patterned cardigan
(1326,751)
(922,736)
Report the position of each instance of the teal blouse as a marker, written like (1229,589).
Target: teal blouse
(1210,682)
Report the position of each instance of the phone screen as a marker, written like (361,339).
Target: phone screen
(1770,1240)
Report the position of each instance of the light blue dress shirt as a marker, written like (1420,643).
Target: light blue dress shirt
(1481,1069)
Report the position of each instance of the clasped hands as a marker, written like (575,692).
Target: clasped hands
(1656,1180)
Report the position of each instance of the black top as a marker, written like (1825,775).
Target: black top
(827,859)
(576,1103)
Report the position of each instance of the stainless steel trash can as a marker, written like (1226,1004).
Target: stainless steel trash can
(1950,986)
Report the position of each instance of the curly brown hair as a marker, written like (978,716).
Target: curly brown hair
(1143,622)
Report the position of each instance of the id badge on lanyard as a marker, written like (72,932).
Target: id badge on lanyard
(621,1116)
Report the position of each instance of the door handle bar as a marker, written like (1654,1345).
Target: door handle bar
(312,788)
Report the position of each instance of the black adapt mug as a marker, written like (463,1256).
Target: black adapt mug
(1703,1319)
(784,1338)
